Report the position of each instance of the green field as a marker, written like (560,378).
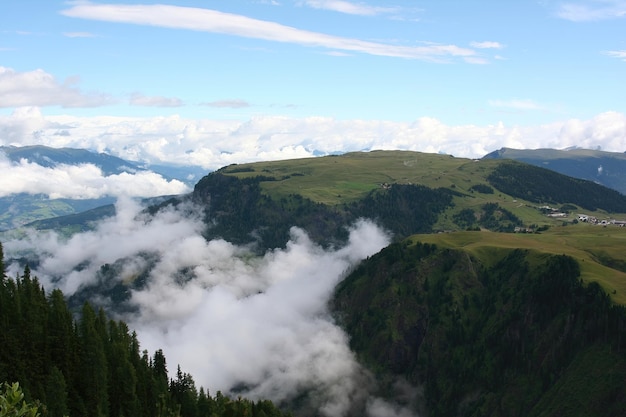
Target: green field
(594,247)
(345,178)
(601,251)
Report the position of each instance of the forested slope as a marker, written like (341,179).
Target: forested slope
(93,366)
(606,168)
(540,185)
(522,336)
(238,210)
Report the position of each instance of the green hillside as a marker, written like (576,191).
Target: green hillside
(599,251)
(494,299)
(406,192)
(490,327)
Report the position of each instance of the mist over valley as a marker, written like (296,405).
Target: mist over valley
(246,300)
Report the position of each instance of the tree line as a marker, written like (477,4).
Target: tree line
(86,364)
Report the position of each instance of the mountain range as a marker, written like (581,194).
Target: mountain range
(606,168)
(501,291)
(18,209)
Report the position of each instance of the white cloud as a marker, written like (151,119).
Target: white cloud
(238,319)
(214,21)
(349,7)
(487,45)
(216,143)
(138,99)
(617,54)
(592,10)
(81,182)
(38,88)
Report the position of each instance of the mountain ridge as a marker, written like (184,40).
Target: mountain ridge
(493,298)
(518,335)
(606,168)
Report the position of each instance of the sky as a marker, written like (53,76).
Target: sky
(211,83)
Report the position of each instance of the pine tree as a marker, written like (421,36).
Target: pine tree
(33,334)
(94,373)
(122,376)
(56,394)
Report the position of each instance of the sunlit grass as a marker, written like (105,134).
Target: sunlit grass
(582,242)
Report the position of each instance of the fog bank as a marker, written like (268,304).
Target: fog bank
(234,321)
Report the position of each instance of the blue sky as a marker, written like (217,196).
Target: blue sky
(515,73)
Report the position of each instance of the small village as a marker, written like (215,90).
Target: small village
(584,218)
(593,220)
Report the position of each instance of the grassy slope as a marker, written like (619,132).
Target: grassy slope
(349,177)
(338,179)
(583,242)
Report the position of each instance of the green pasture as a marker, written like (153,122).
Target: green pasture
(594,247)
(344,178)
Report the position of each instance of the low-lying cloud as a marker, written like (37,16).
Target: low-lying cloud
(212,144)
(233,320)
(84,181)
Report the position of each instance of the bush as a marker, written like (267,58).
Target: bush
(12,402)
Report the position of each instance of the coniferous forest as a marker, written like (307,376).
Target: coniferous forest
(89,365)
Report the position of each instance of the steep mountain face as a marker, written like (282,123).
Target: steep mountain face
(606,168)
(522,336)
(236,209)
(405,192)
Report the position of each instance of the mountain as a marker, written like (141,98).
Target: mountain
(406,192)
(606,168)
(20,209)
(23,208)
(50,157)
(110,165)
(498,295)
(483,322)
(486,328)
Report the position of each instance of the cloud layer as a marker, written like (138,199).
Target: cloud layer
(228,318)
(81,182)
(216,143)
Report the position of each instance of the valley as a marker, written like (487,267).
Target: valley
(453,275)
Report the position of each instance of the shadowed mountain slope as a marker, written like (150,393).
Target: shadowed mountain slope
(606,168)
